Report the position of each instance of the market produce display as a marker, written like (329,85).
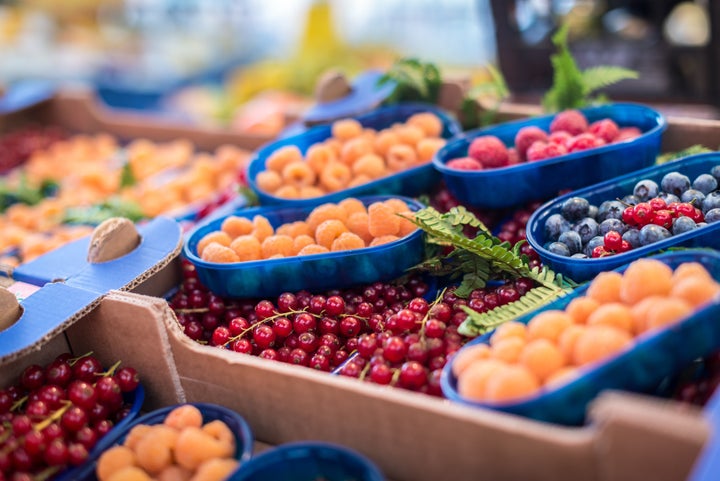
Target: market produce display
(18,145)
(53,418)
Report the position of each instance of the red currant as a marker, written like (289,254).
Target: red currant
(613,240)
(264,336)
(643,213)
(304,322)
(220,336)
(628,216)
(350,326)
(412,375)
(334,306)
(381,374)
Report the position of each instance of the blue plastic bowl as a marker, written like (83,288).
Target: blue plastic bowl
(584,269)
(641,368)
(411,182)
(530,181)
(211,412)
(135,399)
(317,272)
(309,461)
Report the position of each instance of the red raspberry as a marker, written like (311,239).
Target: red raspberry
(513,156)
(542,150)
(490,151)
(584,142)
(573,121)
(464,163)
(528,136)
(560,137)
(628,133)
(606,129)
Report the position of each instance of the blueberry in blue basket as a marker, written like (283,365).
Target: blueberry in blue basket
(646,190)
(705,183)
(675,183)
(572,240)
(712,216)
(692,196)
(683,224)
(575,208)
(711,201)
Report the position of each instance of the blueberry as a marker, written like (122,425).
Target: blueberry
(705,183)
(631,200)
(610,209)
(575,208)
(668,198)
(592,244)
(554,226)
(587,228)
(712,201)
(611,224)
(579,255)
(695,197)
(559,248)
(715,172)
(632,237)
(701,224)
(675,183)
(652,233)
(572,240)
(645,190)
(712,216)
(592,211)
(683,224)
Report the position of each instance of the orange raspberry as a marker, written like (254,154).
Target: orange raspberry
(472,381)
(325,212)
(219,237)
(383,239)
(409,135)
(690,269)
(406,224)
(313,249)
(696,290)
(548,325)
(599,342)
(347,241)
(319,155)
(510,383)
(396,205)
(301,242)
(287,192)
(247,248)
(612,314)
(358,224)
(384,140)
(543,358)
(354,149)
(268,181)
(335,176)
(468,355)
(352,205)
(371,165)
(261,228)
(605,287)
(310,191)
(235,226)
(427,148)
(401,157)
(507,349)
(219,253)
(282,157)
(298,174)
(643,278)
(668,311)
(580,308)
(430,123)
(294,229)
(382,220)
(277,244)
(346,129)
(507,330)
(328,231)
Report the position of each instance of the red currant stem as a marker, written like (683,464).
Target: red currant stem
(193,310)
(46,473)
(365,370)
(395,377)
(425,318)
(111,370)
(267,319)
(623,202)
(57,414)
(18,404)
(6,435)
(76,359)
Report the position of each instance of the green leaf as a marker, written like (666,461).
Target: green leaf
(415,81)
(692,150)
(127,178)
(601,76)
(95,214)
(479,323)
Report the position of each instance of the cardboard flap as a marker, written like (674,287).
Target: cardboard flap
(46,313)
(161,241)
(640,437)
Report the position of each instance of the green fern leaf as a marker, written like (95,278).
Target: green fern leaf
(692,150)
(479,323)
(601,76)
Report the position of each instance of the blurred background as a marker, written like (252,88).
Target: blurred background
(213,61)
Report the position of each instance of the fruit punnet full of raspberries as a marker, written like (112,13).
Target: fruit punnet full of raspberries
(490,151)
(528,136)
(465,163)
(572,121)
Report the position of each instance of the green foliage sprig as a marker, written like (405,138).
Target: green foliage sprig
(574,88)
(416,81)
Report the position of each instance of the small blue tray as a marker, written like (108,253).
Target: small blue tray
(211,412)
(584,269)
(309,461)
(529,181)
(654,356)
(136,399)
(411,182)
(317,272)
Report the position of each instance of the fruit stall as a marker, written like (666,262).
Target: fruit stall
(404,279)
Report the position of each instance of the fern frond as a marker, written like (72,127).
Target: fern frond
(601,76)
(479,323)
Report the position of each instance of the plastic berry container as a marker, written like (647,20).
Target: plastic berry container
(211,412)
(411,182)
(584,269)
(309,461)
(316,272)
(136,399)
(640,368)
(530,181)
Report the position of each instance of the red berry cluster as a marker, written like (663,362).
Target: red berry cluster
(613,243)
(657,211)
(55,415)
(323,331)
(17,146)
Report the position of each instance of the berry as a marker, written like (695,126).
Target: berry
(584,141)
(320,362)
(526,136)
(605,129)
(220,336)
(543,150)
(299,357)
(464,163)
(610,209)
(394,349)
(490,151)
(334,306)
(643,213)
(58,373)
(82,394)
(611,225)
(32,377)
(575,208)
(350,326)
(712,216)
(613,241)
(381,374)
(559,248)
(108,392)
(74,419)
(555,225)
(263,336)
(675,183)
(653,233)
(241,345)
(571,121)
(645,190)
(705,183)
(282,327)
(663,218)
(304,322)
(712,201)
(412,375)
(692,196)
(587,228)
